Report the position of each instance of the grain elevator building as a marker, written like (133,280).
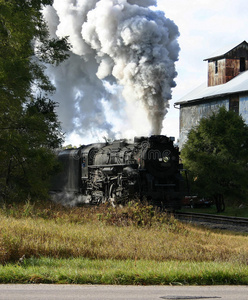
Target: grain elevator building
(227,86)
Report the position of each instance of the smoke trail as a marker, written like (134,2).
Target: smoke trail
(121,71)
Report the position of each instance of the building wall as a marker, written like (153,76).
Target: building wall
(232,68)
(216,78)
(221,69)
(190,115)
(227,70)
(243,107)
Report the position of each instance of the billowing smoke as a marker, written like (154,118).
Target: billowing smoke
(118,79)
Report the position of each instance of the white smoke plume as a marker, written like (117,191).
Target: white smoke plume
(119,76)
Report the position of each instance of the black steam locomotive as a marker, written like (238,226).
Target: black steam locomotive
(148,168)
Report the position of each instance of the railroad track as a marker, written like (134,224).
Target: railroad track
(215,221)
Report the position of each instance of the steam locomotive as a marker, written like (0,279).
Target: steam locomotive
(147,168)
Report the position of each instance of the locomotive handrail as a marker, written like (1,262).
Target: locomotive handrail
(148,167)
(109,165)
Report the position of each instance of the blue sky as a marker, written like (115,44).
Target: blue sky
(205,26)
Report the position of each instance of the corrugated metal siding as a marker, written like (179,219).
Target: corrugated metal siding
(243,108)
(190,116)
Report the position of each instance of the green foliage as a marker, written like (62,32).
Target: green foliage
(216,155)
(29,128)
(27,160)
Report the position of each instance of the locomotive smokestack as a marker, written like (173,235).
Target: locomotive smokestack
(122,63)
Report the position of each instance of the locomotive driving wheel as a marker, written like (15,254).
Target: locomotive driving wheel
(116,195)
(112,194)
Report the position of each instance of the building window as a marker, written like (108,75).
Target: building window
(234,103)
(242,64)
(216,66)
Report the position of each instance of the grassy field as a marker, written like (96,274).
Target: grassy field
(131,245)
(142,272)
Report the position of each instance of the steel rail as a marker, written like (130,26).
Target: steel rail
(228,220)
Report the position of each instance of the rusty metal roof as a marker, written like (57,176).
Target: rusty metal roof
(237,85)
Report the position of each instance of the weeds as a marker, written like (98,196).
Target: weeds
(135,232)
(48,243)
(134,214)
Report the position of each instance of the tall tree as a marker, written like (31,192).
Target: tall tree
(29,127)
(216,156)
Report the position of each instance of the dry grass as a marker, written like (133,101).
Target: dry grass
(134,232)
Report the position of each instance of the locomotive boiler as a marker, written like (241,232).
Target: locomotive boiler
(147,168)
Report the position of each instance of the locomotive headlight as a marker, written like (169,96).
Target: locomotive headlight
(166,159)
